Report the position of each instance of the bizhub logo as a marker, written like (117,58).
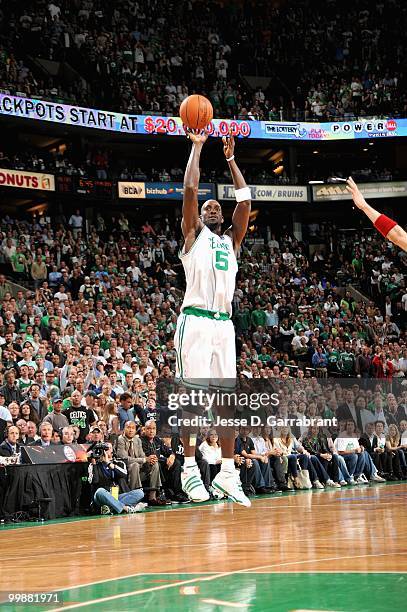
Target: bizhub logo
(371,127)
(287,129)
(157,191)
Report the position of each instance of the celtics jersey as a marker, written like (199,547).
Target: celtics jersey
(210,269)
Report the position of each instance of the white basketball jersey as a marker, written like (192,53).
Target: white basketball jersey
(210,269)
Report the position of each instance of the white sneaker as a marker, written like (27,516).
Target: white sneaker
(331,483)
(362,480)
(229,484)
(317,485)
(192,484)
(352,481)
(343,483)
(137,508)
(377,478)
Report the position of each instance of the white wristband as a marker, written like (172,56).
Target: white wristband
(243,194)
(230,158)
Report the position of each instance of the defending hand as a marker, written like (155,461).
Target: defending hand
(354,190)
(228,145)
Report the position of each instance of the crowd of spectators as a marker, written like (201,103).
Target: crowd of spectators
(62,163)
(325,61)
(102,164)
(86,345)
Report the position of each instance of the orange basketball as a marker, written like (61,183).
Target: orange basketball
(196,112)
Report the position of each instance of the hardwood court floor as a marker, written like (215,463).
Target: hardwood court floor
(342,550)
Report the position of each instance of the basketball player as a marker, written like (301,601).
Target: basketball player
(387,227)
(205,338)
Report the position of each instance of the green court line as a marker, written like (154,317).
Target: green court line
(276,592)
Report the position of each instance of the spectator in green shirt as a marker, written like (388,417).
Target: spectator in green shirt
(19,263)
(264,355)
(333,359)
(242,319)
(258,317)
(347,361)
(357,266)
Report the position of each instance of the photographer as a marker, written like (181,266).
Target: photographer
(106,473)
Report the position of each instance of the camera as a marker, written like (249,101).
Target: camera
(97,451)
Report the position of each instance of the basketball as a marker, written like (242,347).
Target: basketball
(196,112)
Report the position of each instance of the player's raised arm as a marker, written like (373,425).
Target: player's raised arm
(241,214)
(190,214)
(387,227)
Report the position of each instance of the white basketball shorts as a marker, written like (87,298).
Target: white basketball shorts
(206,351)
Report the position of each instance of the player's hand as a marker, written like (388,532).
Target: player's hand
(197,136)
(354,190)
(228,145)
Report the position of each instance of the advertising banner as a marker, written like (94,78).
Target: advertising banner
(55,112)
(328,193)
(26,180)
(161,191)
(268,193)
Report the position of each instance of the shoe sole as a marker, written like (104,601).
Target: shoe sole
(198,501)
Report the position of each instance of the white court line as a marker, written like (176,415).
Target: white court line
(226,604)
(209,578)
